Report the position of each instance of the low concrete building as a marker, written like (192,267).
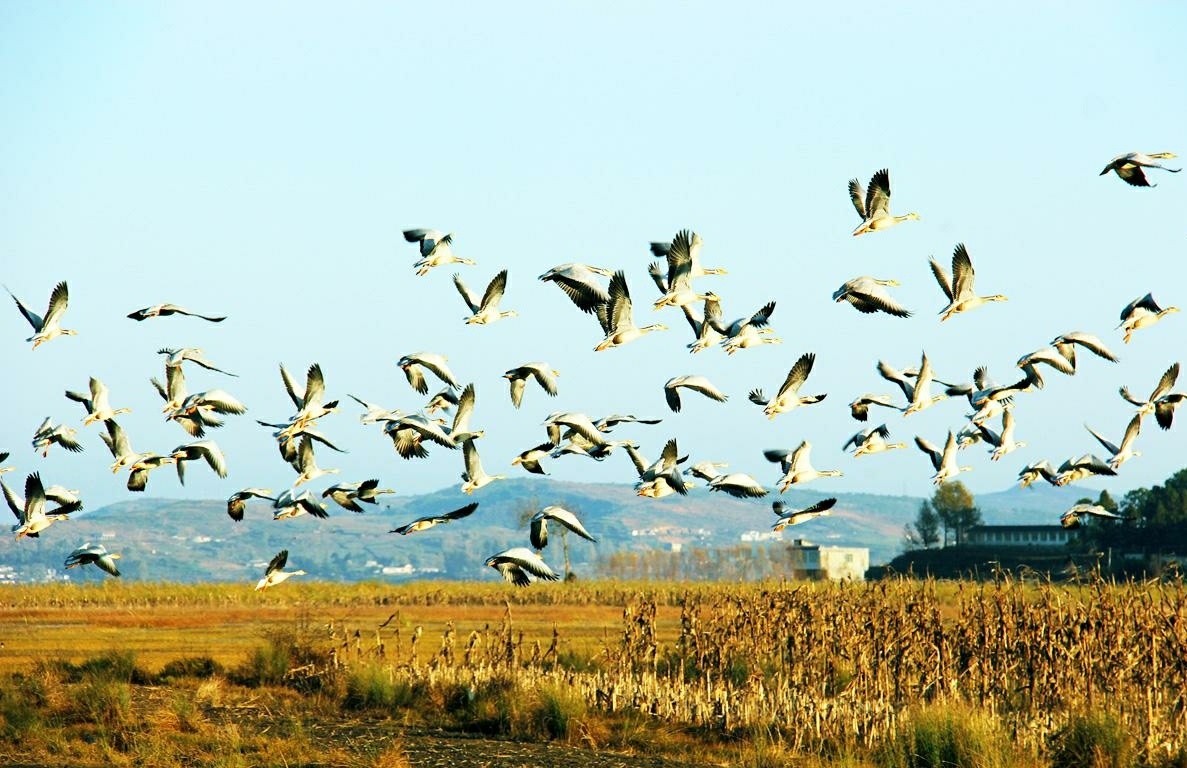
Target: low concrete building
(833,563)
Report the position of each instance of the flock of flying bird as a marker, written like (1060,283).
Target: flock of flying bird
(604,294)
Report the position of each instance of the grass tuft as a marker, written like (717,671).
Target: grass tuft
(558,711)
(949,736)
(1092,741)
(373,687)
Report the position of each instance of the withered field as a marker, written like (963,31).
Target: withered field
(767,674)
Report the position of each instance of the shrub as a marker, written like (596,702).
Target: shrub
(116,666)
(1092,741)
(19,705)
(105,703)
(201,667)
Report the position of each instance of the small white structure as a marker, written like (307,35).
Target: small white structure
(833,563)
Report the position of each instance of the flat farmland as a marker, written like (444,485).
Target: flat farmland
(228,622)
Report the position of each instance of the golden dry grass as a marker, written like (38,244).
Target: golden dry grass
(757,674)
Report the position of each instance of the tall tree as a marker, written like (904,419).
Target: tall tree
(954,505)
(927,525)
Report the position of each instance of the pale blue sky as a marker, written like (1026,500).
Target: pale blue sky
(260,160)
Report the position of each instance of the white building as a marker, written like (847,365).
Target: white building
(833,563)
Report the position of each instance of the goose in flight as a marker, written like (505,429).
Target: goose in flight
(615,317)
(289,442)
(98,405)
(1161,390)
(987,398)
(860,408)
(32,518)
(608,423)
(138,472)
(746,332)
(310,401)
(408,434)
(174,391)
(580,283)
(1087,465)
(538,530)
(867,295)
(1002,443)
(347,495)
(662,477)
(706,470)
(959,289)
(485,310)
(276,573)
(576,445)
(704,325)
(871,440)
(694,244)
(206,450)
(1119,454)
(424,523)
(374,414)
(195,414)
(1049,356)
(290,504)
(1164,408)
(736,484)
(788,396)
(237,502)
(444,400)
(681,256)
(739,485)
(561,424)
(531,458)
(475,476)
(211,401)
(417,363)
(797,466)
(921,396)
(788,516)
(94,554)
(1129,166)
(908,381)
(1033,471)
(520,566)
(1066,344)
(436,249)
(165,310)
(694,383)
(1073,518)
(50,326)
(543,373)
(176,357)
(306,464)
(460,430)
(4,458)
(48,434)
(944,461)
(1142,313)
(873,206)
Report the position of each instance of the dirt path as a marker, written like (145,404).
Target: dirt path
(438,750)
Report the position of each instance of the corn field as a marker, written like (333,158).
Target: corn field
(826,667)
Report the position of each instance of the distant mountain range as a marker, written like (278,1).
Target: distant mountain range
(190,541)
